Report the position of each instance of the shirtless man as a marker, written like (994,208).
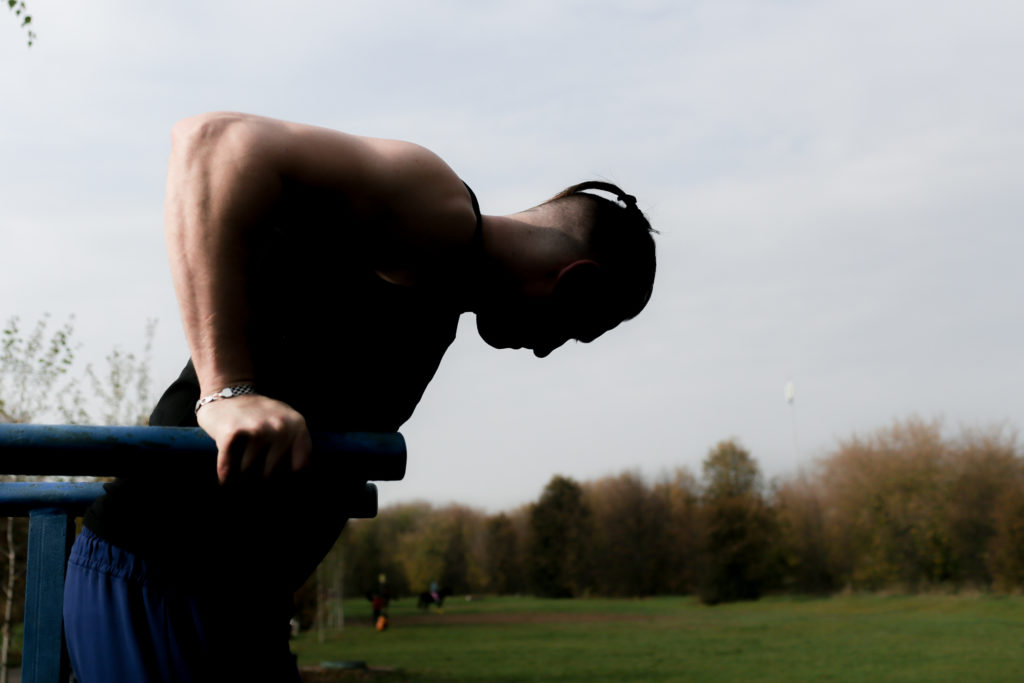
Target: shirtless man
(320,278)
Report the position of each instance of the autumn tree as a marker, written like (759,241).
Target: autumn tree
(984,474)
(905,507)
(803,544)
(679,496)
(888,494)
(375,546)
(461,567)
(738,527)
(1005,553)
(503,564)
(519,519)
(628,549)
(434,551)
(560,526)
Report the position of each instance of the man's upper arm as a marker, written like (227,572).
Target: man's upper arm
(400,186)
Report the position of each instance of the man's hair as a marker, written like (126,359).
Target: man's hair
(620,238)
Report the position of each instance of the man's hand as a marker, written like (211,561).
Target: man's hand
(256,436)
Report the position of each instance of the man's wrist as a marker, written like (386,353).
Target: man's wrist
(232,391)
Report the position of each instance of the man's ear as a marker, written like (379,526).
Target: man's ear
(577,278)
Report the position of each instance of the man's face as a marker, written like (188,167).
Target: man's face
(543,323)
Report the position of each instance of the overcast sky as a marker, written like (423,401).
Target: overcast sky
(837,187)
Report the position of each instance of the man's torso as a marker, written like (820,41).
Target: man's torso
(348,350)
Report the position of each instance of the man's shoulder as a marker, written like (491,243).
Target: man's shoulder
(431,212)
(398,199)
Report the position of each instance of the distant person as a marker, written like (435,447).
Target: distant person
(379,603)
(320,278)
(433,597)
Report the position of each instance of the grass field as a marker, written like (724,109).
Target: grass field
(858,638)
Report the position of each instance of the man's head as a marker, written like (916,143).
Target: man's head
(587,262)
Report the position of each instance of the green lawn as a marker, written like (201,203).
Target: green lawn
(859,638)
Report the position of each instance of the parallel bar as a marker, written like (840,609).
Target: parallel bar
(44,659)
(120,451)
(361,504)
(19,499)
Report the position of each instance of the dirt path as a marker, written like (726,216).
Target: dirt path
(492,618)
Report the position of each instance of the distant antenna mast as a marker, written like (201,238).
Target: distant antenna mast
(791,400)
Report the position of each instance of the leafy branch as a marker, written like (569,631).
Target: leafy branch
(18,7)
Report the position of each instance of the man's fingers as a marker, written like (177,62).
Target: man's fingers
(223,465)
(256,436)
(274,448)
(302,450)
(276,456)
(254,454)
(233,455)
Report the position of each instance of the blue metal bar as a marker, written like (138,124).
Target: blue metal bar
(19,499)
(119,451)
(44,658)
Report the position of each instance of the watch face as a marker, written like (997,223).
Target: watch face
(227,393)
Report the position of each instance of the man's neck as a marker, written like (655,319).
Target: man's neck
(518,255)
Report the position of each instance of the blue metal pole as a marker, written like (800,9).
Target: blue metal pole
(19,499)
(44,658)
(118,451)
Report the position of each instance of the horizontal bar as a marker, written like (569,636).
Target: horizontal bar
(361,504)
(18,499)
(72,450)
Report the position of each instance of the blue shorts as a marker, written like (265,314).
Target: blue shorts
(126,620)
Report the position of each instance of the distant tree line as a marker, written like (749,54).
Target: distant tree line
(903,508)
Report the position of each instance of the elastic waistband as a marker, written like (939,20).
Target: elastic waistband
(92,552)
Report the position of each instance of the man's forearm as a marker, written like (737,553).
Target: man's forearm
(219,188)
